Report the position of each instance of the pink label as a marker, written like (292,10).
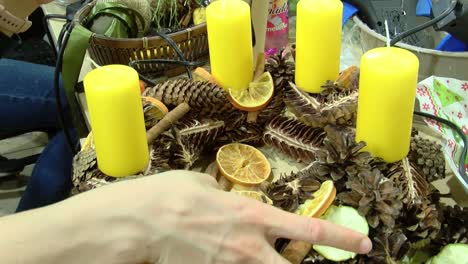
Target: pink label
(277,26)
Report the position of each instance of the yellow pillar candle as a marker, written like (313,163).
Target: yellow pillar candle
(318,43)
(114,104)
(387,91)
(230,43)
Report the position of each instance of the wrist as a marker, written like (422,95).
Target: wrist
(21,9)
(102,234)
(6,32)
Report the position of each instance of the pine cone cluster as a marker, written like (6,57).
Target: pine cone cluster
(290,191)
(428,156)
(402,209)
(205,98)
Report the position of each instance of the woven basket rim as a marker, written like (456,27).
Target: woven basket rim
(79,17)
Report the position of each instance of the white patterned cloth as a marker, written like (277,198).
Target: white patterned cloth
(447,98)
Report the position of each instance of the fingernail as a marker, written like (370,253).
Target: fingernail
(366,246)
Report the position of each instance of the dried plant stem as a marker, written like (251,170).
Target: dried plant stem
(213,170)
(259,70)
(260,66)
(252,116)
(296,251)
(165,123)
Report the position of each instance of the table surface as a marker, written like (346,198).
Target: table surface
(449,184)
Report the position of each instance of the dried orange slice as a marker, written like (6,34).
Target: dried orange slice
(142,86)
(255,195)
(256,97)
(323,198)
(243,164)
(156,110)
(202,75)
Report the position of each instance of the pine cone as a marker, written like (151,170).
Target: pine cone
(318,111)
(293,138)
(290,191)
(422,224)
(251,134)
(454,228)
(204,98)
(315,258)
(232,120)
(375,196)
(86,175)
(428,156)
(190,138)
(84,162)
(414,186)
(274,108)
(388,247)
(282,68)
(341,156)
(160,155)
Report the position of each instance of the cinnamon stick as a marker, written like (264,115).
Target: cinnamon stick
(165,123)
(296,251)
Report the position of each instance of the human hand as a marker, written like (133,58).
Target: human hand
(181,217)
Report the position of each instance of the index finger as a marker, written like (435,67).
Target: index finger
(313,230)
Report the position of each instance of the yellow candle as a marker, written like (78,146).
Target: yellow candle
(318,43)
(387,91)
(116,112)
(230,43)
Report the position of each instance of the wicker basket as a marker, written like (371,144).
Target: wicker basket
(192,41)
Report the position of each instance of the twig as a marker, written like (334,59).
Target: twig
(252,116)
(260,66)
(213,170)
(259,69)
(165,123)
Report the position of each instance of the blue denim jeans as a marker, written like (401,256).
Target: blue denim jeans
(27,103)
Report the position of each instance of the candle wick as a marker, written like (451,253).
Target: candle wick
(387,31)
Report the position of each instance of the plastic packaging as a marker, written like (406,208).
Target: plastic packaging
(277,26)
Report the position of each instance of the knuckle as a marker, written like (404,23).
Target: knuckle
(316,231)
(248,213)
(246,248)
